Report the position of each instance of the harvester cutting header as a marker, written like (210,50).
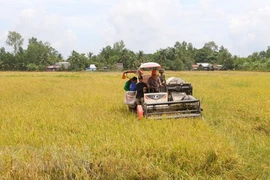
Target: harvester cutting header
(157,98)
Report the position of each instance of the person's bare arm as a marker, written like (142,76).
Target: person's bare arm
(159,81)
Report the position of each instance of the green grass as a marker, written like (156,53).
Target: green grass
(64,125)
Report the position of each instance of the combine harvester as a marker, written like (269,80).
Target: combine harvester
(174,100)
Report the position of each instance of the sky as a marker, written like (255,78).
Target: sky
(241,26)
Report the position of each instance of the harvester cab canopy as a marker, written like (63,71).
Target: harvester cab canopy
(147,69)
(149,66)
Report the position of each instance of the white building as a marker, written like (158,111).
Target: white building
(92,67)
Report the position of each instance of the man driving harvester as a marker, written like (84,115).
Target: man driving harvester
(154,82)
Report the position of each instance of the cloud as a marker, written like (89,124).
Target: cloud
(250,31)
(147,25)
(142,24)
(61,23)
(46,27)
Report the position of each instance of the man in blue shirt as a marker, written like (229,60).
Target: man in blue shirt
(128,83)
(132,86)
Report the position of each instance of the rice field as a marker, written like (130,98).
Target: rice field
(70,125)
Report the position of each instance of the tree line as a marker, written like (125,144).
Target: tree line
(38,55)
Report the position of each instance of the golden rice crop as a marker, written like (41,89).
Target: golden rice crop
(67,125)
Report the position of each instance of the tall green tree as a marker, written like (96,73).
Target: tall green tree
(225,58)
(118,47)
(211,45)
(268,52)
(41,54)
(15,40)
(77,61)
(128,58)
(184,54)
(2,57)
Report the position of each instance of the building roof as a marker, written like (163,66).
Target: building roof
(204,64)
